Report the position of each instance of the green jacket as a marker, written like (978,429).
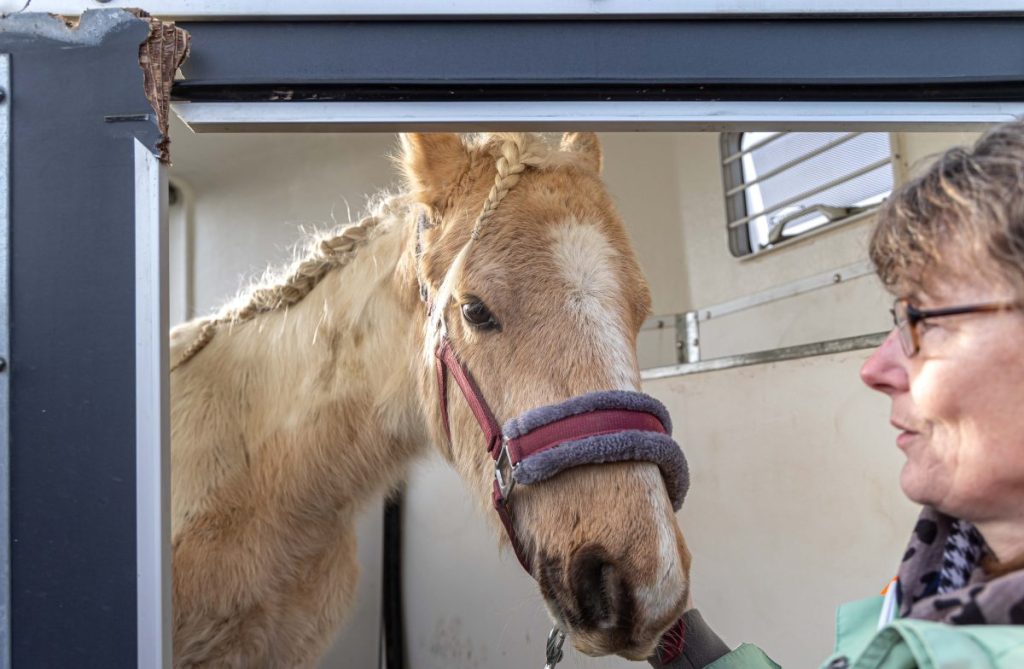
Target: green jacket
(903,644)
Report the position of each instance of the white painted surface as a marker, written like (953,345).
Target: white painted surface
(794,506)
(254,194)
(179,226)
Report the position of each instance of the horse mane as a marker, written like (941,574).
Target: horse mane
(279,289)
(328,251)
(516,151)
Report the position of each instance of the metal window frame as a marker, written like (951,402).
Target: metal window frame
(152,397)
(618,116)
(594,99)
(318,9)
(739,218)
(83,416)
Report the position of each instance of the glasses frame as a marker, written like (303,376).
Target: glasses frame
(910,340)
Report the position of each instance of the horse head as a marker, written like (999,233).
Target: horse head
(531,286)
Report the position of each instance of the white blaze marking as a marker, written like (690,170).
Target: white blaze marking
(585,258)
(586,261)
(656,600)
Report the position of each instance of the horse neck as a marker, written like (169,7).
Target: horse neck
(325,391)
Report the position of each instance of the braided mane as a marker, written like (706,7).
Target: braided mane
(328,252)
(277,290)
(517,151)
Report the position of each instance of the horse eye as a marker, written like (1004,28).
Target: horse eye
(479,316)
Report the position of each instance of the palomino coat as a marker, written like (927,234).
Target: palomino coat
(903,644)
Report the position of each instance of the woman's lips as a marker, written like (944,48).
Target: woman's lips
(904,438)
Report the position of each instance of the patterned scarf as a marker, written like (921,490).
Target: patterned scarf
(941,577)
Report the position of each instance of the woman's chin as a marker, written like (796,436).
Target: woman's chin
(916,486)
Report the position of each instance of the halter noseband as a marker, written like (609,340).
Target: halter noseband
(600,427)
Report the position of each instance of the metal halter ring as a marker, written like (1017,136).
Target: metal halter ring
(553,648)
(505,483)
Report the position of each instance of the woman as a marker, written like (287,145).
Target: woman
(950,247)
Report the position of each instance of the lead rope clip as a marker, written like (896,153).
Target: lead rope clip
(556,637)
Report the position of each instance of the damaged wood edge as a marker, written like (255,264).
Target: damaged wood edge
(160,56)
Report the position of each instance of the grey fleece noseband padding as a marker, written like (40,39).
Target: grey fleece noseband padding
(619,446)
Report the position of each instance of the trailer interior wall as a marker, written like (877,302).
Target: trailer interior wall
(795,505)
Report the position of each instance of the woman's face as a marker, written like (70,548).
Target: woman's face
(958,405)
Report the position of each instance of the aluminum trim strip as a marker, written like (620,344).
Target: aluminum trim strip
(579,115)
(829,347)
(152,454)
(662,322)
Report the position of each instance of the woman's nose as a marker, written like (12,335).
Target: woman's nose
(885,371)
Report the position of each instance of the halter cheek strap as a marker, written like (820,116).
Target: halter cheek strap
(447,363)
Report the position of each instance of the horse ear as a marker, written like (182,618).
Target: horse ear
(433,163)
(586,145)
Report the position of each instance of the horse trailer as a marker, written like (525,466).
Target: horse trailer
(156,162)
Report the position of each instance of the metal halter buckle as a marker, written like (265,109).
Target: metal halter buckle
(553,648)
(505,482)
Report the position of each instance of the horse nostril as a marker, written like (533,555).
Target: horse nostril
(599,590)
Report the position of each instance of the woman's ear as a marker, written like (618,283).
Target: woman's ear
(586,146)
(433,163)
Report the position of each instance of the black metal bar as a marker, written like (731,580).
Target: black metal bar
(392,608)
(185,91)
(961,56)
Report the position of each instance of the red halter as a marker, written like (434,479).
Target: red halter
(508,453)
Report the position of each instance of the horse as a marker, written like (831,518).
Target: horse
(312,392)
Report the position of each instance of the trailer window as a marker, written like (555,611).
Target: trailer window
(780,185)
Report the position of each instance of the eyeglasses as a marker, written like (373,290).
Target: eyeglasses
(906,317)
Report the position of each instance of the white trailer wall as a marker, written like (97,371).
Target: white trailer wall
(795,505)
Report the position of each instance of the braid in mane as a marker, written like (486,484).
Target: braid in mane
(516,155)
(517,151)
(331,253)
